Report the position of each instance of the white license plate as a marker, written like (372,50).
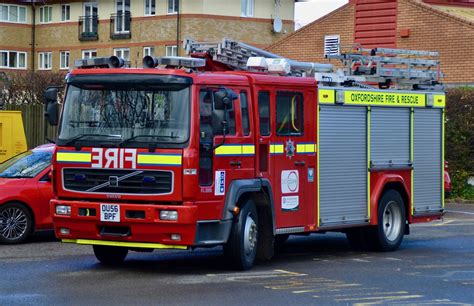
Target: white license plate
(110,212)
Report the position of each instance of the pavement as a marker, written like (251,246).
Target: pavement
(434,266)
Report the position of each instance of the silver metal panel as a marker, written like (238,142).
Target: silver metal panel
(390,136)
(427,161)
(343,165)
(290,230)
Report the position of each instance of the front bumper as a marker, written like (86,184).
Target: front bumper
(139,225)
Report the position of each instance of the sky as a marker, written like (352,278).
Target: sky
(310,10)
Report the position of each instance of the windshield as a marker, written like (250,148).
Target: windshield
(28,164)
(125,112)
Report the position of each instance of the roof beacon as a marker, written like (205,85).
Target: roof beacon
(173,61)
(100,62)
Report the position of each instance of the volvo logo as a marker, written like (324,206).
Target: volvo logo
(113,181)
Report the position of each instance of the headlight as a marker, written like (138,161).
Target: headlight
(63,210)
(170,215)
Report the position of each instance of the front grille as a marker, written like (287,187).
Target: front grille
(118,181)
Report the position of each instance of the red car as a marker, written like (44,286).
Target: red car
(25,192)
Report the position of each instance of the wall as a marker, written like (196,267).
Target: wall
(308,43)
(436,31)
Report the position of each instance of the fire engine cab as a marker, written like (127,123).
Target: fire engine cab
(237,147)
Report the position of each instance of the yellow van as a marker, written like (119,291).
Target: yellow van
(12,135)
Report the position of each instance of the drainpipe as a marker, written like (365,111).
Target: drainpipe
(178,17)
(33,35)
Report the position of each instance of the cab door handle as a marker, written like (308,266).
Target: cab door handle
(236,163)
(299,163)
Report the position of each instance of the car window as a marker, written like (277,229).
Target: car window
(28,164)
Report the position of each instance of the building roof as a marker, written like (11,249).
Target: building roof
(459,11)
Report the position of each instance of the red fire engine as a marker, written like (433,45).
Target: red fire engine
(237,147)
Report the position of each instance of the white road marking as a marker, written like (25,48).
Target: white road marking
(459,212)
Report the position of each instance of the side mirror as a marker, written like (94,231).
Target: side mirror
(52,110)
(224,98)
(51,95)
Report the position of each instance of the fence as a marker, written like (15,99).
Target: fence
(35,123)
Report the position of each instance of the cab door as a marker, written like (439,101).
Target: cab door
(224,159)
(293,157)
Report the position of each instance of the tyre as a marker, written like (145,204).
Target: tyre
(16,223)
(388,234)
(110,255)
(241,248)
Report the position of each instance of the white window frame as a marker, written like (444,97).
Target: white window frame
(88,53)
(45,60)
(171,50)
(326,50)
(64,58)
(42,14)
(148,6)
(172,9)
(67,12)
(247,8)
(148,51)
(119,52)
(17,66)
(8,8)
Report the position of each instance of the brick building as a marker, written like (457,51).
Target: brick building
(50,34)
(446,26)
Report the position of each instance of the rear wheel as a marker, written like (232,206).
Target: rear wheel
(16,223)
(241,247)
(110,255)
(388,234)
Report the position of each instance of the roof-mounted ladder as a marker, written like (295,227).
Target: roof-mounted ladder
(386,66)
(383,66)
(236,54)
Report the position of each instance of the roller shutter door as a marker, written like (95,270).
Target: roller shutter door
(343,165)
(427,162)
(390,137)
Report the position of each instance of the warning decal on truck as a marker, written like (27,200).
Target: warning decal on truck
(219,183)
(289,181)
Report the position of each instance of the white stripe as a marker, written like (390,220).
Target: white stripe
(459,212)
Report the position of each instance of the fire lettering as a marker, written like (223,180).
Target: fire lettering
(114,158)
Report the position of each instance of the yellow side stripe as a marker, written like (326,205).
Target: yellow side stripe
(228,150)
(306,148)
(125,244)
(156,159)
(72,157)
(276,148)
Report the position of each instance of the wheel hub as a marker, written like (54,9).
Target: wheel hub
(392,221)
(250,235)
(13,223)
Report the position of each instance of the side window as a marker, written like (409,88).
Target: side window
(264,112)
(206,137)
(289,114)
(245,113)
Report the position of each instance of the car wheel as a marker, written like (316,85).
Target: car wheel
(16,223)
(241,248)
(110,255)
(388,234)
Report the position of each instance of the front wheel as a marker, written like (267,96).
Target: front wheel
(388,234)
(241,247)
(16,223)
(110,255)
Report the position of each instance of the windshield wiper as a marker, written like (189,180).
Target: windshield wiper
(134,138)
(73,139)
